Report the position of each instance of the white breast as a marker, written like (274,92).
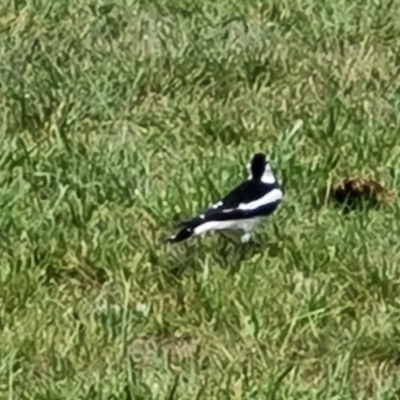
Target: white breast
(245,225)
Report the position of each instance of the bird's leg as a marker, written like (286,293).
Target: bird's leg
(247,231)
(245,237)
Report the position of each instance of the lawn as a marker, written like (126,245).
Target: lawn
(117,120)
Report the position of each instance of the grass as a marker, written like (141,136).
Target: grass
(117,120)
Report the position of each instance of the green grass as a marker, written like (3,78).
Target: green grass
(117,120)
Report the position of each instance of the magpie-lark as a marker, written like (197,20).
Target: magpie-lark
(241,209)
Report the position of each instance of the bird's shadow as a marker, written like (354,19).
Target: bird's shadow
(229,254)
(232,255)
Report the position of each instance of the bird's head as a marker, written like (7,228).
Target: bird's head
(259,169)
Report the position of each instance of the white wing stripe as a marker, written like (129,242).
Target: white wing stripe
(271,197)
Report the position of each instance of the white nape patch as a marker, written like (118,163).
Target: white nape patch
(271,197)
(248,166)
(246,225)
(268,176)
(202,216)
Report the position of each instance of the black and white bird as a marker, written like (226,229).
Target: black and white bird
(241,209)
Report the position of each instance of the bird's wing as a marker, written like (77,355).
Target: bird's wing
(245,192)
(247,200)
(221,210)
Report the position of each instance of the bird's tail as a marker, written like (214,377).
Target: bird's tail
(185,231)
